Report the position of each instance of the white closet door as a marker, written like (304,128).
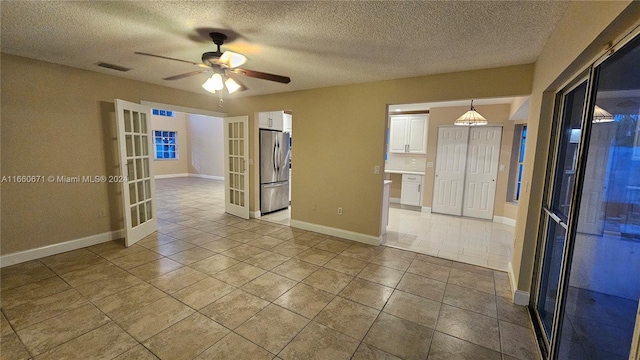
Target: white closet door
(451,159)
(482,171)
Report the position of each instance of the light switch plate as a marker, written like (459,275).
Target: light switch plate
(429,163)
(501,167)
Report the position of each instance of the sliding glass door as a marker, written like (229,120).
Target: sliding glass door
(556,208)
(588,281)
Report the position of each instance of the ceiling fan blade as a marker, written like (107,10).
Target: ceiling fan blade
(262,75)
(168,58)
(182,76)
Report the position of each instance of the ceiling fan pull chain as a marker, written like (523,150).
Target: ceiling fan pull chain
(220,99)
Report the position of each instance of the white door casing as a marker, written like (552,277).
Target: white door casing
(236,171)
(451,156)
(483,156)
(136,168)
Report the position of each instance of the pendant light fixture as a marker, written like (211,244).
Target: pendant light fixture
(601,115)
(471,118)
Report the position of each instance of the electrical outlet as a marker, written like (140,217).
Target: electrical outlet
(339,210)
(376,170)
(102,213)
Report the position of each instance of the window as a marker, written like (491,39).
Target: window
(517,162)
(166,144)
(160,112)
(520,166)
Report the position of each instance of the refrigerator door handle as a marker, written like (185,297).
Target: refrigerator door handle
(275,160)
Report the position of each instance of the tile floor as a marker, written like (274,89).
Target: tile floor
(472,241)
(211,286)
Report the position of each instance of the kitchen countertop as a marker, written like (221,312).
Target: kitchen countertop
(389,171)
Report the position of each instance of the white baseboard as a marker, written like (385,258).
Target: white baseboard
(345,234)
(519,297)
(504,220)
(28,255)
(255,214)
(394,200)
(210,177)
(426,209)
(169,176)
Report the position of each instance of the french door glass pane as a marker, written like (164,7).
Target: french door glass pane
(604,280)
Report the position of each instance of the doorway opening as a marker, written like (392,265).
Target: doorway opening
(275,165)
(413,223)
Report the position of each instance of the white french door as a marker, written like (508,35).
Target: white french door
(451,158)
(136,168)
(467,161)
(483,155)
(236,155)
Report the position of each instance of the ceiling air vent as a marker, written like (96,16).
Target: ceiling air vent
(113,67)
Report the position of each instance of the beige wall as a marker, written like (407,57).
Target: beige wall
(58,120)
(445,116)
(206,145)
(580,37)
(340,138)
(179,125)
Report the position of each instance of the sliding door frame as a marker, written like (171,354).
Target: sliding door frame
(591,75)
(547,214)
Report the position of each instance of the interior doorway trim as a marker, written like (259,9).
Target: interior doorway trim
(184,109)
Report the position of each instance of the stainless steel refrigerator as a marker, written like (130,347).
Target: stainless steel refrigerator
(275,155)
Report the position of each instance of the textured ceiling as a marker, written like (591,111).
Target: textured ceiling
(317,44)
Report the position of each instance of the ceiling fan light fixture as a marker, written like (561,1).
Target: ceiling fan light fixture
(231,85)
(232,59)
(471,118)
(214,83)
(601,115)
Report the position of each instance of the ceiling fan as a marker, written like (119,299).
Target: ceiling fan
(224,66)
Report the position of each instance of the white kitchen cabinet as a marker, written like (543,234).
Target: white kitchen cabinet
(287,121)
(272,120)
(411,190)
(408,134)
